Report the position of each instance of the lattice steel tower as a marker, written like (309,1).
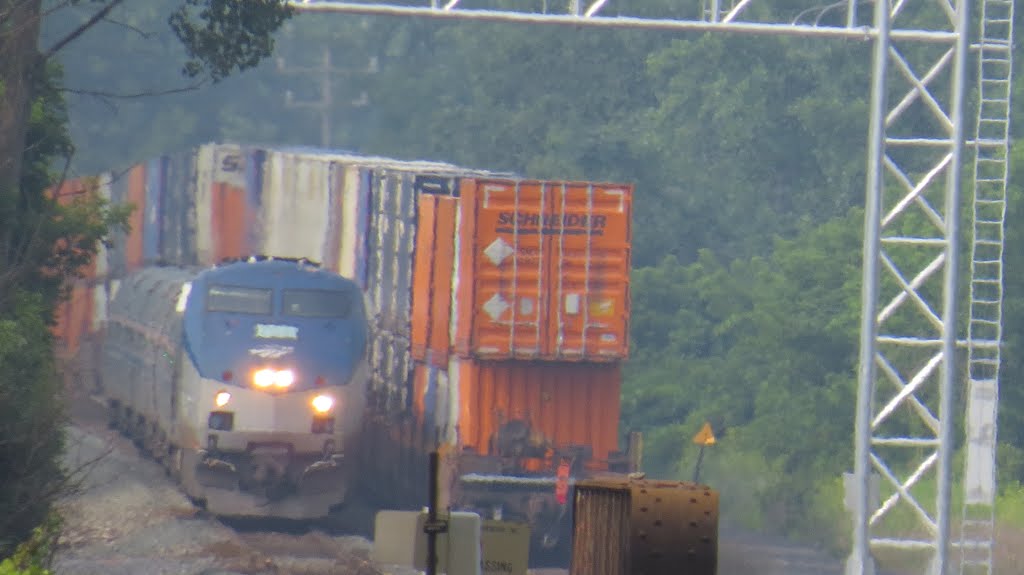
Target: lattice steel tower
(909,377)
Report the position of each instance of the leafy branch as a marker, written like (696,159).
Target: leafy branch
(96,18)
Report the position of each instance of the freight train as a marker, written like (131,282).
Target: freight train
(246,379)
(497,307)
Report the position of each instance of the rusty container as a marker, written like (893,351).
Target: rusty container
(627,526)
(562,404)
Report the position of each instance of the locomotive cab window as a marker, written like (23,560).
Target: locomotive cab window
(235,299)
(316,303)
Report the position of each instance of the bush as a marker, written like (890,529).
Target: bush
(31,422)
(35,556)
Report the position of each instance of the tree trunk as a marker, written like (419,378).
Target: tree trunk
(19,55)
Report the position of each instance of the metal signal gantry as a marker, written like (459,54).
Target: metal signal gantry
(909,376)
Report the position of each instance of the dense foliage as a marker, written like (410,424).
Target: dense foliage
(748,155)
(31,278)
(48,231)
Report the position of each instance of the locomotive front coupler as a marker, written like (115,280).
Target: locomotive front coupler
(212,462)
(328,460)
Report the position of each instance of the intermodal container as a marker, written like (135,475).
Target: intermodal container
(75,317)
(456,263)
(86,310)
(354,214)
(357,216)
(151,228)
(538,270)
(564,404)
(97,283)
(223,215)
(550,265)
(295,207)
(433,279)
(125,253)
(178,201)
(117,252)
(136,196)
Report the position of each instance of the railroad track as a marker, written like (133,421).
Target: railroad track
(739,557)
(341,543)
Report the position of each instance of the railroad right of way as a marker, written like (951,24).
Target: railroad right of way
(129,518)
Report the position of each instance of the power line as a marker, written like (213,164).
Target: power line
(327,73)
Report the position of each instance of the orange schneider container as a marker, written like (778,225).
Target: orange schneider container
(568,403)
(540,271)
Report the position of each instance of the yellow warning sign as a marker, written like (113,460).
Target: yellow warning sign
(705,436)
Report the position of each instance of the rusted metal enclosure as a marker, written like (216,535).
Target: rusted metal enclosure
(644,527)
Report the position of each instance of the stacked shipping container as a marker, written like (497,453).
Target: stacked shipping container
(493,299)
(521,291)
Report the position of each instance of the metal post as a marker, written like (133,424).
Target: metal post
(636,451)
(432,516)
(696,469)
(434,526)
(328,100)
(861,562)
(951,293)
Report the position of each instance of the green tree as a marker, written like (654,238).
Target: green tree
(766,349)
(218,38)
(1011,397)
(48,241)
(47,238)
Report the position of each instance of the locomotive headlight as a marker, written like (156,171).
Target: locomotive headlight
(284,378)
(222,398)
(323,403)
(268,377)
(264,378)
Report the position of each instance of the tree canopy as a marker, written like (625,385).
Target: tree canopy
(46,239)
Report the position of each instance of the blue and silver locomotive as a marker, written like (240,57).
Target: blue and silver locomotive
(247,380)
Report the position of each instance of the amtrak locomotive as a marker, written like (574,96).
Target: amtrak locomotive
(247,380)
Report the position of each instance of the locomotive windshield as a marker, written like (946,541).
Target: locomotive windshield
(316,303)
(236,299)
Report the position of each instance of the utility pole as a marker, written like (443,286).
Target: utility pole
(325,104)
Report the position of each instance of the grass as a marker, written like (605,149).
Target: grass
(903,521)
(757,495)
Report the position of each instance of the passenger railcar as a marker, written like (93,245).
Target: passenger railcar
(247,380)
